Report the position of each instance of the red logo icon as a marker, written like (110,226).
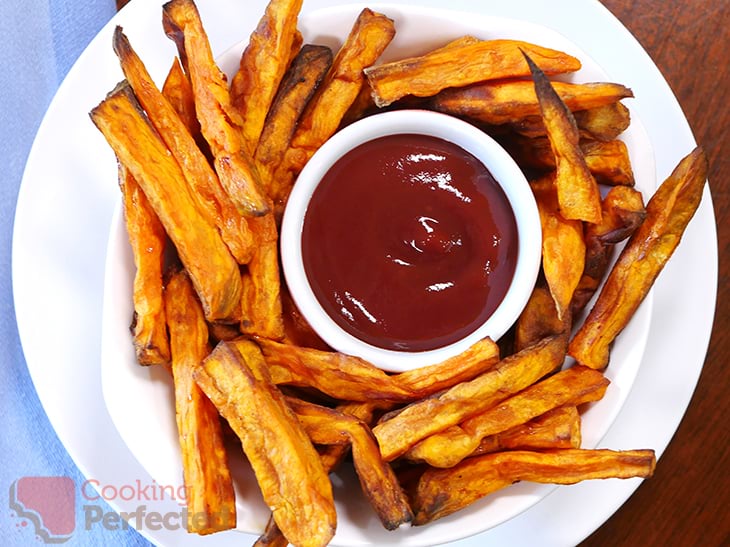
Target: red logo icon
(48,503)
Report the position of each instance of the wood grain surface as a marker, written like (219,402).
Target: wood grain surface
(687,502)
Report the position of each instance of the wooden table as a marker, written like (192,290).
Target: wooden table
(686,502)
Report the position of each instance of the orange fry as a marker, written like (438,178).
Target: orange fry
(641,261)
(287,467)
(262,67)
(210,498)
(147,240)
(459,66)
(444,491)
(578,193)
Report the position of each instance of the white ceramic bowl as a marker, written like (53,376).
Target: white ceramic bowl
(504,170)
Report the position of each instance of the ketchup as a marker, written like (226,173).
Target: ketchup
(409,243)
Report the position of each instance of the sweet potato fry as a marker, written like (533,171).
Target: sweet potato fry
(508,101)
(608,161)
(287,467)
(563,246)
(539,319)
(443,491)
(211,266)
(460,66)
(558,428)
(328,426)
(417,421)
(261,312)
(426,381)
(297,87)
(603,123)
(206,189)
(272,536)
(370,35)
(578,193)
(178,91)
(210,497)
(667,214)
(262,67)
(575,385)
(338,375)
(220,122)
(147,239)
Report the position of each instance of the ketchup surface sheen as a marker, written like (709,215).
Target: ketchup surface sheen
(409,243)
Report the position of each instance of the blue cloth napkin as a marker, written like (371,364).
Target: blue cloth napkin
(39,42)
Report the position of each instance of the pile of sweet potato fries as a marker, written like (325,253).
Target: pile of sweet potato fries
(205,168)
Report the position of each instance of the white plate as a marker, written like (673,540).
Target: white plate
(148,424)
(66,204)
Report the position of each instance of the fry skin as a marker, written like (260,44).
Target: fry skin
(369,36)
(263,64)
(206,257)
(578,193)
(563,246)
(220,122)
(299,84)
(557,428)
(287,468)
(575,385)
(147,239)
(261,311)
(209,487)
(444,491)
(539,319)
(206,189)
(397,434)
(667,214)
(460,66)
(328,426)
(508,101)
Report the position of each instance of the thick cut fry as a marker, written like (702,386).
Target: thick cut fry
(558,428)
(287,468)
(338,375)
(623,212)
(460,66)
(262,66)
(426,381)
(608,161)
(603,123)
(261,312)
(379,483)
(147,240)
(206,189)
(508,101)
(563,246)
(370,35)
(575,386)
(443,491)
(220,122)
(667,214)
(213,270)
(578,193)
(210,498)
(272,536)
(178,91)
(428,416)
(539,319)
(298,86)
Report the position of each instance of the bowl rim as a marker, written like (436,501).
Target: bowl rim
(505,171)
